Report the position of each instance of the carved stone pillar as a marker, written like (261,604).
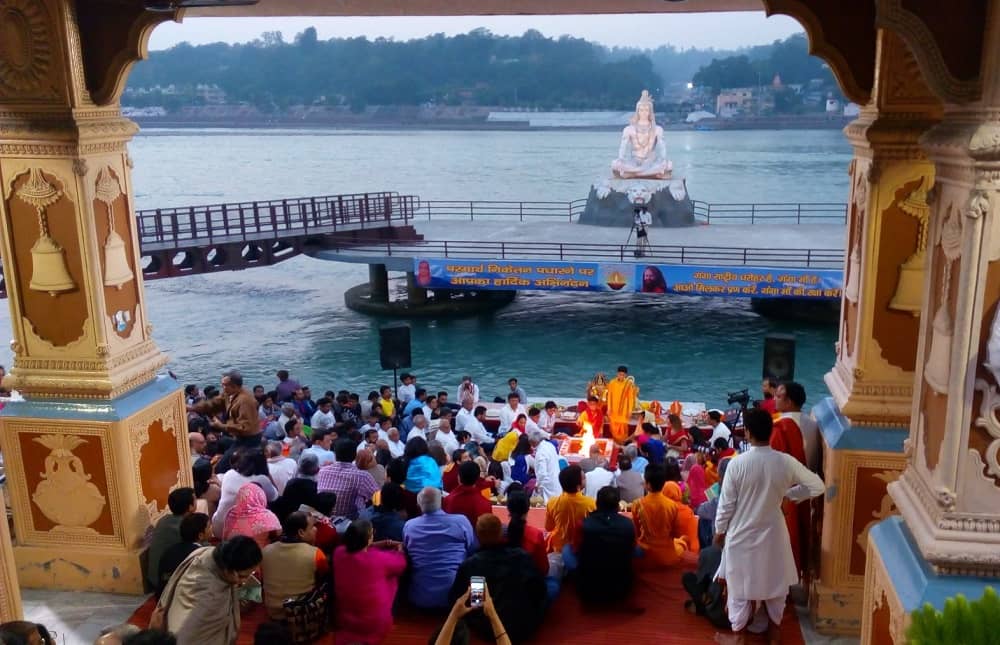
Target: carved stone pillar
(948,538)
(99,442)
(863,423)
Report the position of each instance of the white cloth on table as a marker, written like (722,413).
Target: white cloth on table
(757,560)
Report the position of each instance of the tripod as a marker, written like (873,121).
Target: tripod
(641,238)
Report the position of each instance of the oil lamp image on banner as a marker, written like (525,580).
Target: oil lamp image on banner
(616,278)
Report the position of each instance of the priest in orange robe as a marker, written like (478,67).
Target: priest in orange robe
(622,398)
(787,437)
(591,418)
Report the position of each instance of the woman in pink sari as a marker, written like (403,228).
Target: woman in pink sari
(696,483)
(250,517)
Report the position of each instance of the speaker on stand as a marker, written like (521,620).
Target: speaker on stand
(394,350)
(779,357)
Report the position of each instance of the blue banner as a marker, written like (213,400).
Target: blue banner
(732,282)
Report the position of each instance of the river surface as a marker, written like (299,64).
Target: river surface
(292,315)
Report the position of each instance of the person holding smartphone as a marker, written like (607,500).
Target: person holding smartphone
(463,606)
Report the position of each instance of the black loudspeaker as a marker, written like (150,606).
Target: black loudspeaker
(779,356)
(394,346)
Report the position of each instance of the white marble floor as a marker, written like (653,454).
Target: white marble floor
(76,618)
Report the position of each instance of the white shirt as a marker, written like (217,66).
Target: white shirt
(757,560)
(282,469)
(531,425)
(406,393)
(396,448)
(478,431)
(547,471)
(322,454)
(463,417)
(416,432)
(427,412)
(597,479)
(464,391)
(508,416)
(547,422)
(448,441)
(322,419)
(721,430)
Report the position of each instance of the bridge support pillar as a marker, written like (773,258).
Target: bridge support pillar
(378,283)
(415,294)
(99,441)
(864,423)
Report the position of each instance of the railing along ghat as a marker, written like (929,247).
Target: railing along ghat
(705,212)
(552,251)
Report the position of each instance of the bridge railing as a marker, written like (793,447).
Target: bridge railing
(484,210)
(666,254)
(242,221)
(776,213)
(705,212)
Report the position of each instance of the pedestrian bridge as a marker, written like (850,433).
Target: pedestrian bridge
(399,231)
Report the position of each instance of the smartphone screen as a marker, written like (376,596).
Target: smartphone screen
(477,591)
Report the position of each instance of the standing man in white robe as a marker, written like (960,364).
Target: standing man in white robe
(546,467)
(757,564)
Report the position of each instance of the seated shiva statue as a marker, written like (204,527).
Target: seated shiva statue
(642,153)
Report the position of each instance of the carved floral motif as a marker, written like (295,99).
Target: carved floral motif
(25,46)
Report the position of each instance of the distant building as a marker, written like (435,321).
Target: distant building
(698,115)
(733,101)
(852,109)
(212,94)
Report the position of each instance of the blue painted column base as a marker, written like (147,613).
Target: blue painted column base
(87,478)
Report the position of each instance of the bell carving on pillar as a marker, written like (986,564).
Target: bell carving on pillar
(909,289)
(48,265)
(937,370)
(116,269)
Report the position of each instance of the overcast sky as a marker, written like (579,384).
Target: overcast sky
(719,30)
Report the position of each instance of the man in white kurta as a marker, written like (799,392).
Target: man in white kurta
(546,467)
(757,562)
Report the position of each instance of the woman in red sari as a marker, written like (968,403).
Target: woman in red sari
(678,438)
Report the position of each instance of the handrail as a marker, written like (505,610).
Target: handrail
(244,221)
(665,254)
(705,212)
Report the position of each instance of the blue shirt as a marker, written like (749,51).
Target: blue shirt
(436,543)
(411,406)
(423,472)
(639,464)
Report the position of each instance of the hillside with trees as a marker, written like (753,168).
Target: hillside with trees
(478,68)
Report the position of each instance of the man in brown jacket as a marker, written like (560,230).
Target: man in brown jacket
(242,421)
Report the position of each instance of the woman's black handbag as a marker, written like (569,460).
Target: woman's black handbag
(308,615)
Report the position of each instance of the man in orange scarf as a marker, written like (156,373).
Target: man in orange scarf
(787,437)
(622,397)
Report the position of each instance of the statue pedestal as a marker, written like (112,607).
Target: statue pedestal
(612,202)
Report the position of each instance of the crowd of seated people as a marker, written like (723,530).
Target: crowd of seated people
(385,501)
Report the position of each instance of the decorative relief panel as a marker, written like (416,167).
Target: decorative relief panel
(121,295)
(61,484)
(47,265)
(158,454)
(937,370)
(872,505)
(26,52)
(897,332)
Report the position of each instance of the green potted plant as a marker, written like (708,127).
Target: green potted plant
(961,623)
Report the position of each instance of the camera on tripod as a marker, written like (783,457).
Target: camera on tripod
(741,398)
